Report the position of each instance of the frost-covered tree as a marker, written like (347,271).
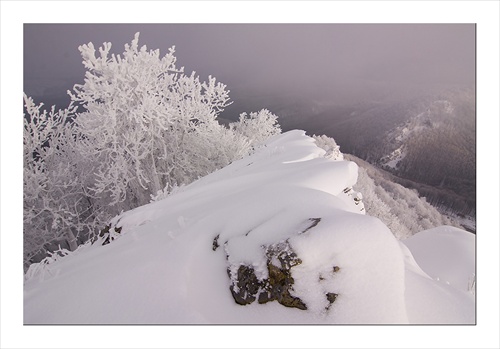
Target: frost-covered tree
(257,127)
(330,146)
(148,125)
(56,206)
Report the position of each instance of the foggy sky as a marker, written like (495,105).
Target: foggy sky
(258,58)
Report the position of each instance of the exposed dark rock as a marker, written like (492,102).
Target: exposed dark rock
(247,285)
(276,287)
(105,230)
(105,233)
(215,243)
(314,221)
(331,297)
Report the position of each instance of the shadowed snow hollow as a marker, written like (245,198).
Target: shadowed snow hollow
(277,237)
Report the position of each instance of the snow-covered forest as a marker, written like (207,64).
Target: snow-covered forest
(143,207)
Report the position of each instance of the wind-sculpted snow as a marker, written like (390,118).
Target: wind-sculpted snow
(446,254)
(276,237)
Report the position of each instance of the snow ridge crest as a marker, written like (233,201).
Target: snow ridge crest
(276,237)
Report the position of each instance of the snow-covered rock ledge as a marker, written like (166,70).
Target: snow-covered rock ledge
(277,237)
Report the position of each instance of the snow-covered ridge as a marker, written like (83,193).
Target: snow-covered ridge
(277,237)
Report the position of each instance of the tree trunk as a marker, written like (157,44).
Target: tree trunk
(71,238)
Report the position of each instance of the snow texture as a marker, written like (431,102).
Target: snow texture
(175,259)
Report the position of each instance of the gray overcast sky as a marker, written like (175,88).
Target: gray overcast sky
(265,57)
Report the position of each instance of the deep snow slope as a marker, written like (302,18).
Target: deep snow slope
(277,237)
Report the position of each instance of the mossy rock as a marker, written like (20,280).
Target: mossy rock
(276,287)
(247,285)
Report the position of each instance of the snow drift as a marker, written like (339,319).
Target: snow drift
(277,237)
